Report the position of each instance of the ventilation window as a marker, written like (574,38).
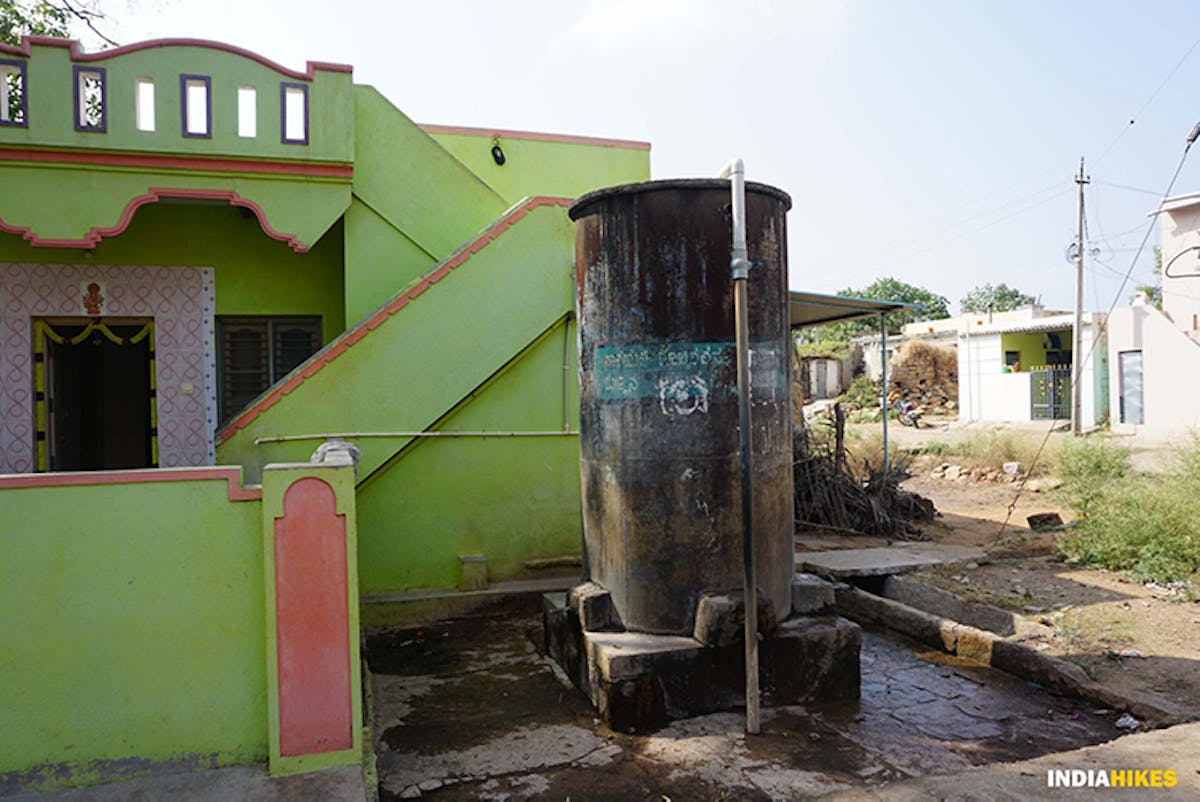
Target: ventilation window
(12,93)
(247,112)
(196,91)
(256,352)
(145,104)
(294,102)
(90,100)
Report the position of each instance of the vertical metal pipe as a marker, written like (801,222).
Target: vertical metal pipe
(750,602)
(567,372)
(739,264)
(883,395)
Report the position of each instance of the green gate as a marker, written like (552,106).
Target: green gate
(1050,391)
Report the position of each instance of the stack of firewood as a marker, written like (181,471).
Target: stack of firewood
(829,493)
(925,375)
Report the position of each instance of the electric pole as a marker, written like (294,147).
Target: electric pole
(1077,344)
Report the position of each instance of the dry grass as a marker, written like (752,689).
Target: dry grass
(991,448)
(943,359)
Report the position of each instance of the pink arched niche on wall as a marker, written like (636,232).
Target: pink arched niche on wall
(312,622)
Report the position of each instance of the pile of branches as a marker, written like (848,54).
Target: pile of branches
(830,494)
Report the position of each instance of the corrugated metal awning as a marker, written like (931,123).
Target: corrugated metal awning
(816,309)
(1041,324)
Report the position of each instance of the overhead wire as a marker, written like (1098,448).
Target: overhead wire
(1075,358)
(936,232)
(1146,105)
(892,257)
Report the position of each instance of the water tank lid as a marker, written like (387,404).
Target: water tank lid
(587,204)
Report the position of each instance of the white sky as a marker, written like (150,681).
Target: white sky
(933,141)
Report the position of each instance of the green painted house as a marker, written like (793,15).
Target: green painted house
(211,263)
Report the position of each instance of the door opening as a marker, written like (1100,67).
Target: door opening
(95,385)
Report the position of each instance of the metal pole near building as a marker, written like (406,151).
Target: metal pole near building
(1077,345)
(739,264)
(883,394)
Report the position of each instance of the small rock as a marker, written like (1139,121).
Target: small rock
(952,472)
(1011,468)
(411,792)
(1044,483)
(430,785)
(1044,520)
(1128,722)
(971,566)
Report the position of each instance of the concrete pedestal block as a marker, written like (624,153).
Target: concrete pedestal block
(639,681)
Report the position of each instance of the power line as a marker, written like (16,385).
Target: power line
(1095,340)
(954,238)
(1126,186)
(933,233)
(1149,100)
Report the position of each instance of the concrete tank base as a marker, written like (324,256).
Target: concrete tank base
(638,681)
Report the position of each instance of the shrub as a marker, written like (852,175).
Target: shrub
(1149,526)
(862,393)
(832,349)
(1089,468)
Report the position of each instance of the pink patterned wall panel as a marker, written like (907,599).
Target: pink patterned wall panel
(180,299)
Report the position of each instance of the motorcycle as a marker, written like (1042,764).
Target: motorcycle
(906,413)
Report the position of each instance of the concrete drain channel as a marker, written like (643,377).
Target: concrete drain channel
(474,709)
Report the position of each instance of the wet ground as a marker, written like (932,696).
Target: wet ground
(472,710)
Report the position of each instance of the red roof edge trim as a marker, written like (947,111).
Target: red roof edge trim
(77,54)
(372,322)
(95,234)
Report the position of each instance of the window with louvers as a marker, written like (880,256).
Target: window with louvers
(256,352)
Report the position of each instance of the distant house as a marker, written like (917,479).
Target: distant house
(1156,354)
(1018,367)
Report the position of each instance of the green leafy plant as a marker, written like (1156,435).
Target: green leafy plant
(862,393)
(1000,298)
(1089,469)
(1146,525)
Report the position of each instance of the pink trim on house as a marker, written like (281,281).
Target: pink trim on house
(78,55)
(231,475)
(536,136)
(97,233)
(153,162)
(312,622)
(375,320)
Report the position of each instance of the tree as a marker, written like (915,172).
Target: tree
(48,18)
(933,307)
(1000,298)
(19,19)
(1153,291)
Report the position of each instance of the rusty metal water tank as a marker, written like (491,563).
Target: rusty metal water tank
(660,467)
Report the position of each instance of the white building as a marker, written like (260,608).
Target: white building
(1154,384)
(1019,368)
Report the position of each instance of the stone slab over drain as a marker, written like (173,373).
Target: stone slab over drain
(886,560)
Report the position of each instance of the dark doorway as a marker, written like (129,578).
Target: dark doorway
(99,395)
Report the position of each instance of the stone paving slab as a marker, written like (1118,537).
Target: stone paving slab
(243,783)
(885,560)
(471,710)
(1173,749)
